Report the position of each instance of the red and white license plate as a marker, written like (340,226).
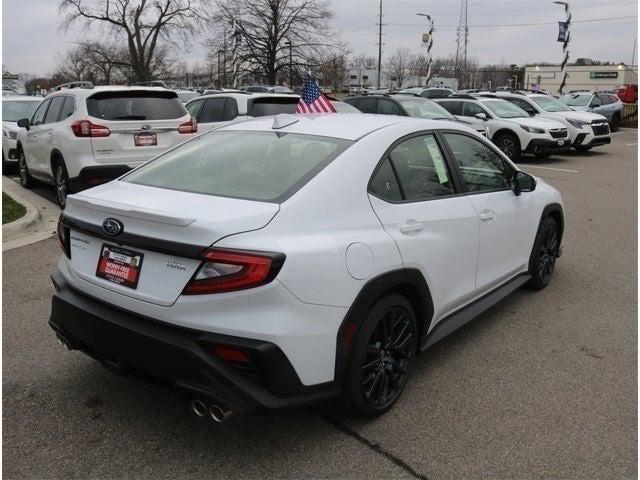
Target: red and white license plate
(119,265)
(145,139)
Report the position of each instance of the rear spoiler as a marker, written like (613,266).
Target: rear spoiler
(116,208)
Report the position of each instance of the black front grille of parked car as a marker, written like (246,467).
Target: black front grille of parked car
(600,128)
(559,133)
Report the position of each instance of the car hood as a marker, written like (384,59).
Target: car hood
(579,115)
(537,122)
(580,108)
(10,126)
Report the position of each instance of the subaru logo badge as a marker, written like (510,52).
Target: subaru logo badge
(112,227)
(146,127)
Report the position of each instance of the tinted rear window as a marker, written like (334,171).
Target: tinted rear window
(262,166)
(135,105)
(261,107)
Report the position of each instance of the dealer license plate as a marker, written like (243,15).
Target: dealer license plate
(145,139)
(119,265)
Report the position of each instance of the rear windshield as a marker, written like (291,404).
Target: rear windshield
(15,110)
(186,96)
(261,107)
(262,166)
(423,108)
(135,105)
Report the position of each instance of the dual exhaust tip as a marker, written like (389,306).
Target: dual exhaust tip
(216,412)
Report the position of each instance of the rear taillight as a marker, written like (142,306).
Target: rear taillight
(189,127)
(63,239)
(229,270)
(84,128)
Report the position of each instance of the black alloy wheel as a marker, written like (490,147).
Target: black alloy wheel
(61,183)
(384,345)
(546,252)
(23,170)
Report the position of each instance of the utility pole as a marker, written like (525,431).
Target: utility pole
(379,43)
(462,40)
(633,56)
(290,45)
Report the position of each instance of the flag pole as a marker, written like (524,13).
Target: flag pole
(565,45)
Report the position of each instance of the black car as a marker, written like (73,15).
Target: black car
(406,106)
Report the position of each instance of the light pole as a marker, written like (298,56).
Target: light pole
(564,37)
(429,43)
(290,45)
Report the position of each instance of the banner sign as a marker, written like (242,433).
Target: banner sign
(563,31)
(594,75)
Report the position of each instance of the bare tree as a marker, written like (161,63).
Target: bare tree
(143,25)
(363,62)
(399,65)
(331,68)
(264,28)
(74,65)
(419,65)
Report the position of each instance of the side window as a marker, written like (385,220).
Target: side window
(212,110)
(421,169)
(194,108)
(54,110)
(523,105)
(384,183)
(482,168)
(471,109)
(38,116)
(367,105)
(595,102)
(387,107)
(454,108)
(230,110)
(68,108)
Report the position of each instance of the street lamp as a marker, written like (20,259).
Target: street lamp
(288,44)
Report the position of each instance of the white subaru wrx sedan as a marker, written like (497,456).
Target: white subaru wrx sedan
(284,260)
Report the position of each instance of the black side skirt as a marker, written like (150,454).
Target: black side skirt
(466,314)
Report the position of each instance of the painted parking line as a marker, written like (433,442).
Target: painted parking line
(631,144)
(549,168)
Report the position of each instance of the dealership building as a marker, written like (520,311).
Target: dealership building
(580,77)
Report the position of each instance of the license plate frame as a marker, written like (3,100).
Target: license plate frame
(146,139)
(118,265)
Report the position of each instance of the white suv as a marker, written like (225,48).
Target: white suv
(586,129)
(219,109)
(81,135)
(283,260)
(509,127)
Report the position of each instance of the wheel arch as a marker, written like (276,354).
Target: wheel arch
(408,282)
(553,210)
(506,131)
(54,156)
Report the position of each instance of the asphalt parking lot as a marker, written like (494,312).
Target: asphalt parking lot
(541,386)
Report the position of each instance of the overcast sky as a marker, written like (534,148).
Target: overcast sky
(31,41)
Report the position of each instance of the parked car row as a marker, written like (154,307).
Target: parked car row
(81,136)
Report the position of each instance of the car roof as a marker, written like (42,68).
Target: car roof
(245,95)
(87,92)
(21,98)
(336,125)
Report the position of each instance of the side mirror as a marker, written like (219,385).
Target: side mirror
(523,182)
(24,123)
(481,116)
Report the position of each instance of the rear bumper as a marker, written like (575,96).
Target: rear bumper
(92,176)
(541,145)
(178,358)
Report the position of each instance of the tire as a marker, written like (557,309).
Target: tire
(378,374)
(543,155)
(61,182)
(582,148)
(615,123)
(544,254)
(509,144)
(26,180)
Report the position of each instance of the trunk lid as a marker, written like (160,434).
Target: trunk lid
(164,219)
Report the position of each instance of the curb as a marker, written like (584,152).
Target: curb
(28,221)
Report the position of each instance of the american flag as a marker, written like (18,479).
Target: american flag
(312,100)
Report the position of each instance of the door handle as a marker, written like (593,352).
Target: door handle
(411,226)
(487,215)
